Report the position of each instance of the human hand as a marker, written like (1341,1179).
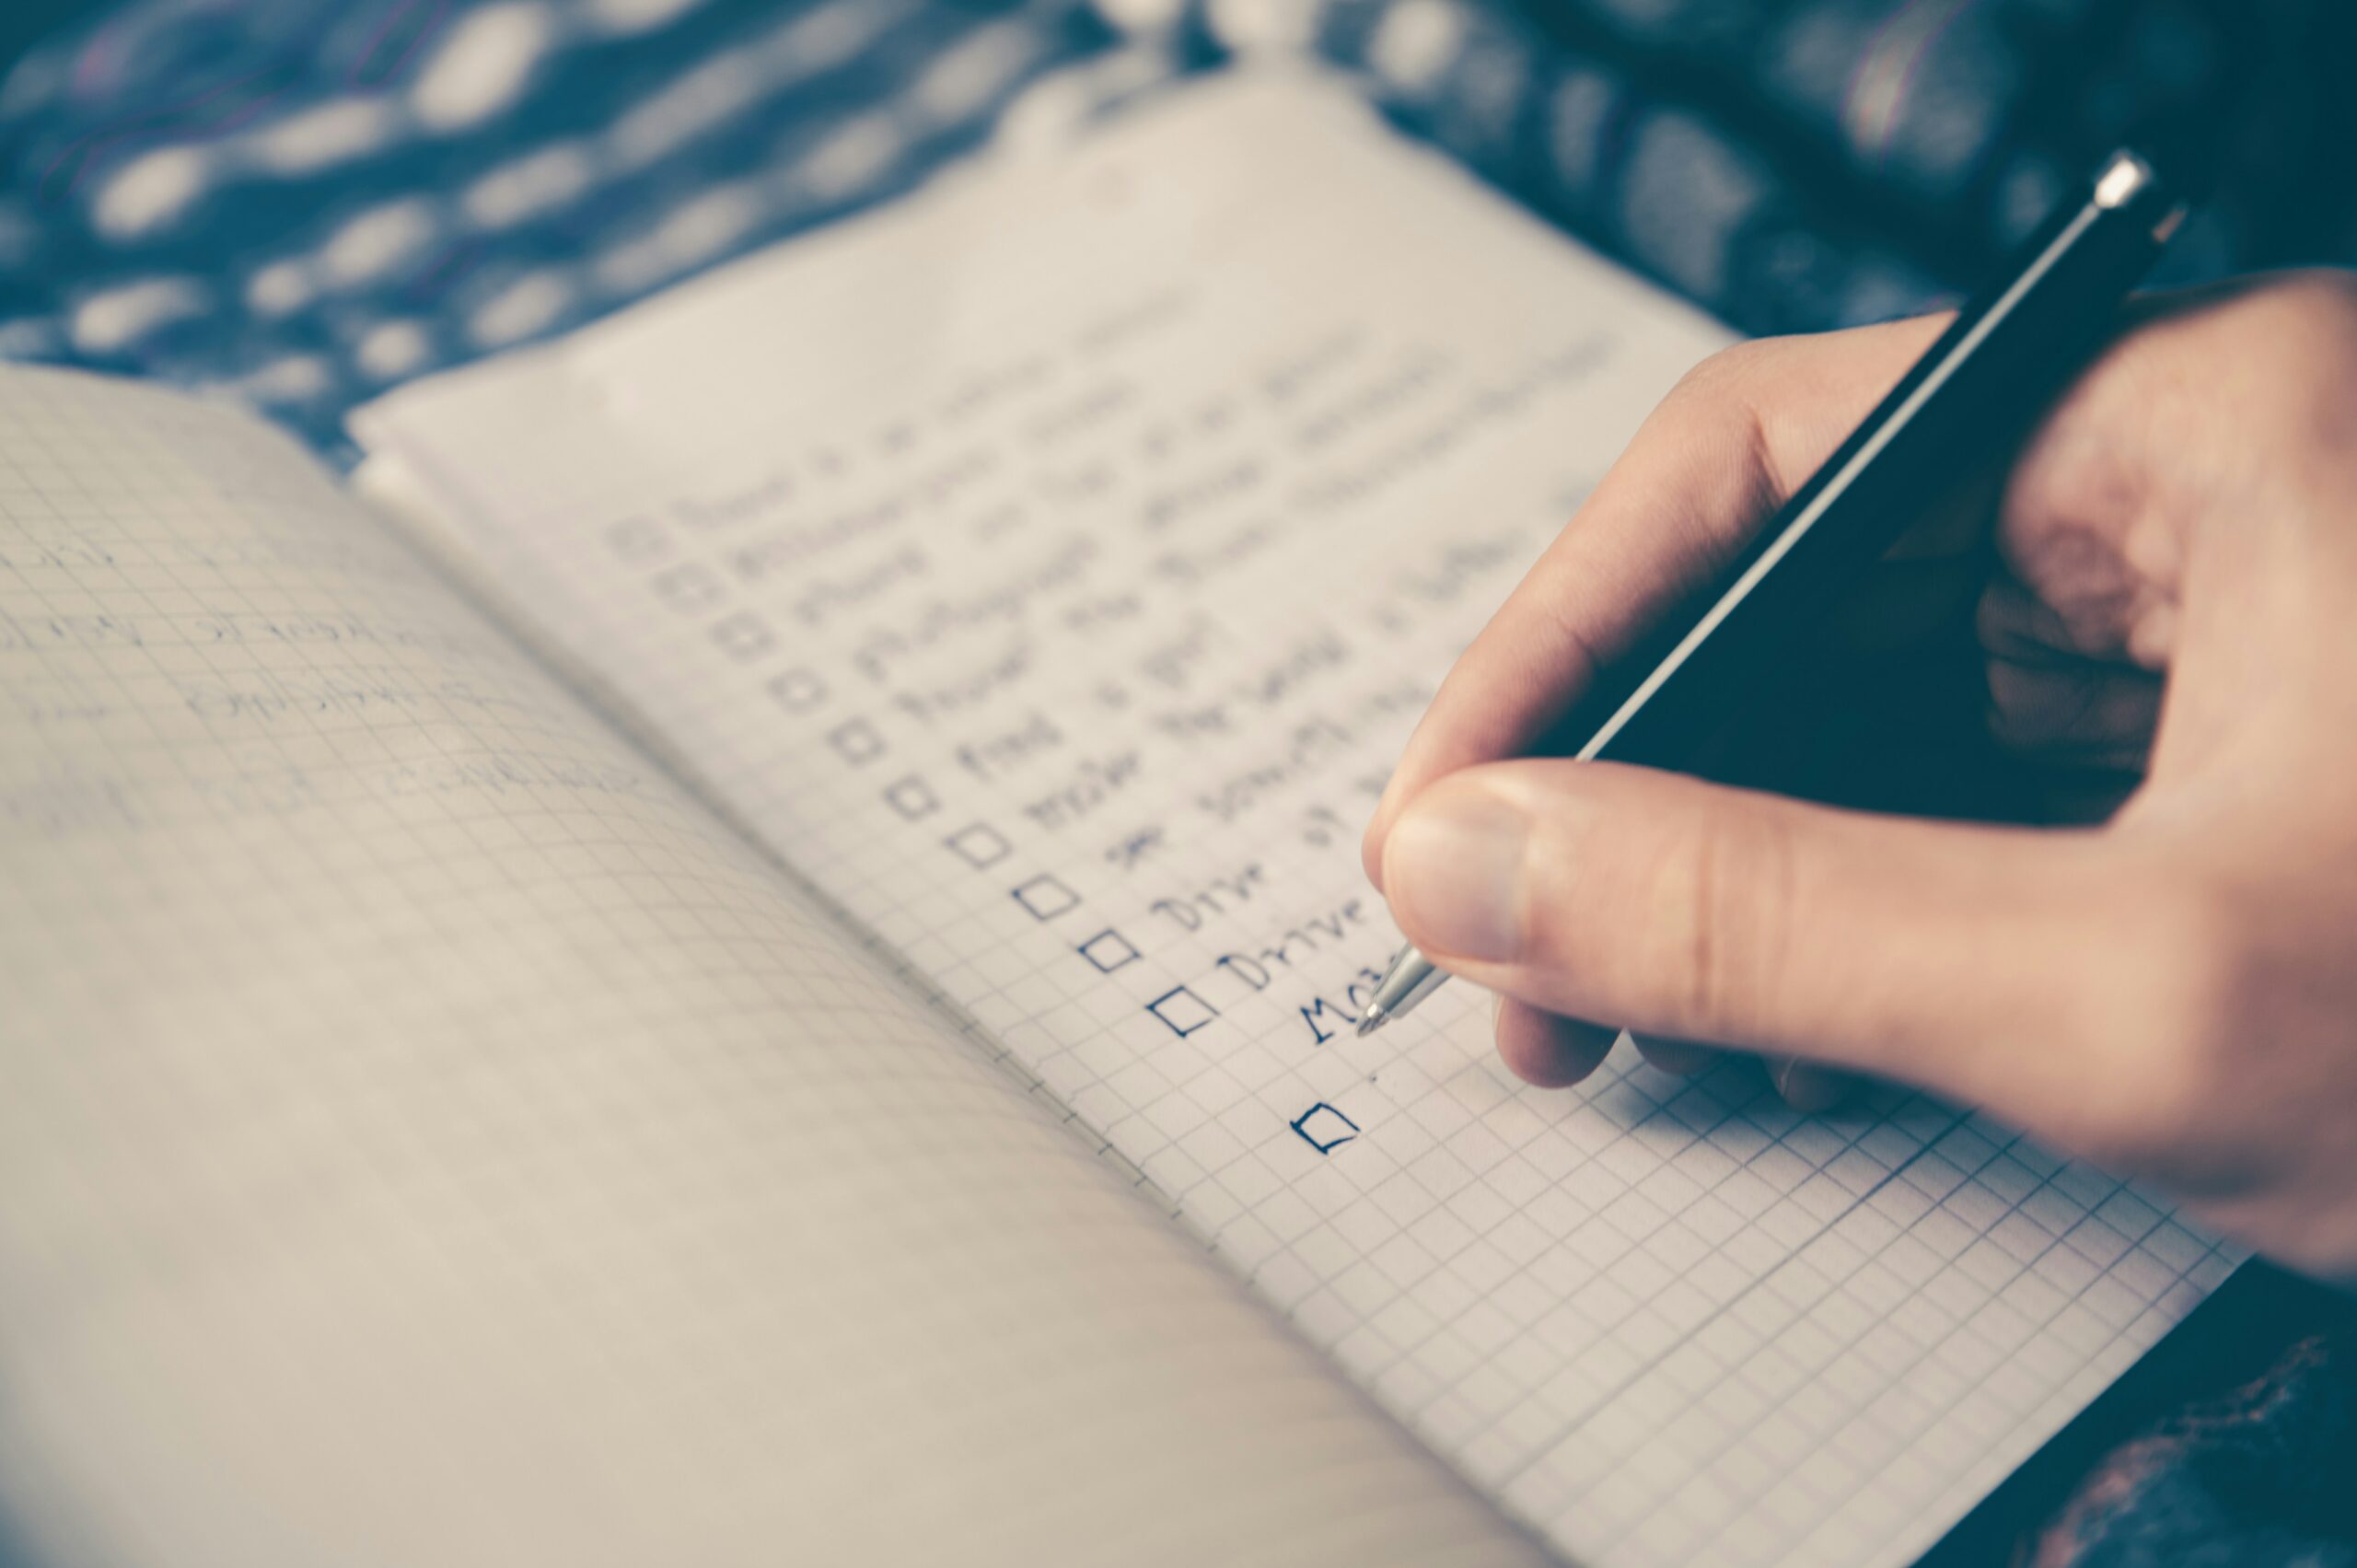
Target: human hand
(2172,993)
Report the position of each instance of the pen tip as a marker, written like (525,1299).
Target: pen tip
(1373,1020)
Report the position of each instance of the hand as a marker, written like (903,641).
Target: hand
(2171,602)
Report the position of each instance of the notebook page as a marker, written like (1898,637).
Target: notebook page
(429,1137)
(1051,568)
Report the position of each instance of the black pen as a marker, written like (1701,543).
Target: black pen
(2009,355)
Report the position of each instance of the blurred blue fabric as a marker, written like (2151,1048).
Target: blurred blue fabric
(303,201)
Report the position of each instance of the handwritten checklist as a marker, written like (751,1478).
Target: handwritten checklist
(1139,546)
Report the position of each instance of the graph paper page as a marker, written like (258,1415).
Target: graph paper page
(1049,569)
(430,1137)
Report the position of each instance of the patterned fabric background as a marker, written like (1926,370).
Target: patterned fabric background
(299,203)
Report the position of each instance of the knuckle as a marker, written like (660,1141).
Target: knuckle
(1720,375)
(1722,393)
(1715,425)
(1721,898)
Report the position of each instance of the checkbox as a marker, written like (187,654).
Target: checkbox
(1045,897)
(979,845)
(687,589)
(638,540)
(856,742)
(797,691)
(1182,1010)
(912,799)
(1109,950)
(1324,1129)
(743,636)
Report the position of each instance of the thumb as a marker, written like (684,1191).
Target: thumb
(1942,954)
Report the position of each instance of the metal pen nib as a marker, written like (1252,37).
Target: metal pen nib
(1410,979)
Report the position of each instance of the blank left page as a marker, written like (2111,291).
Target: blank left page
(427,1136)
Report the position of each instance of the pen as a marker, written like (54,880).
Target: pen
(2007,355)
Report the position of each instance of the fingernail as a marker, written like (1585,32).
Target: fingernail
(1452,870)
(1809,1090)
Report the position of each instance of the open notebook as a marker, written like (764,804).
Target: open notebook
(744,952)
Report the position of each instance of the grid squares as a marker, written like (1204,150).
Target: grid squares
(1589,1257)
(1181,1011)
(744,636)
(979,845)
(462,944)
(857,742)
(1044,897)
(1109,950)
(912,799)
(797,691)
(689,590)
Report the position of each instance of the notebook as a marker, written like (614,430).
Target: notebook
(743,949)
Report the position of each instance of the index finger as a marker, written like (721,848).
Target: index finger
(1708,467)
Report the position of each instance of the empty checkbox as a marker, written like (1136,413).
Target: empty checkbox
(1324,1129)
(743,636)
(856,742)
(687,589)
(979,845)
(1182,1011)
(912,799)
(1109,950)
(1045,897)
(797,691)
